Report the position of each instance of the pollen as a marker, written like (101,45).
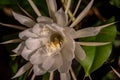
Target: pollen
(56,42)
(56,39)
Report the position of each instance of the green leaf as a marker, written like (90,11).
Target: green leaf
(4,2)
(115,3)
(96,56)
(77,69)
(13,65)
(109,76)
(46,76)
(7,2)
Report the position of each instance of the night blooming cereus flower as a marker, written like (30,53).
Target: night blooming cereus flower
(48,44)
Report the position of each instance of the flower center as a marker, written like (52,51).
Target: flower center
(56,41)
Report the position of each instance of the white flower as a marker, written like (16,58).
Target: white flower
(49,44)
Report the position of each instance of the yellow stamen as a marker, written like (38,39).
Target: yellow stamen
(56,41)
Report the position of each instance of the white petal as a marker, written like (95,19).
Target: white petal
(41,30)
(52,7)
(79,52)
(61,17)
(23,19)
(26,53)
(115,71)
(65,66)
(56,28)
(19,48)
(13,26)
(11,41)
(36,28)
(38,70)
(32,4)
(32,43)
(70,31)
(82,14)
(26,34)
(91,31)
(23,69)
(25,12)
(44,19)
(65,76)
(51,77)
(77,7)
(68,48)
(68,6)
(49,61)
(93,43)
(38,57)
(58,62)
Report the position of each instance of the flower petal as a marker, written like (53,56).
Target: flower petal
(77,7)
(93,43)
(49,61)
(38,57)
(36,29)
(91,31)
(32,4)
(23,19)
(22,70)
(41,30)
(52,7)
(19,48)
(11,41)
(65,66)
(44,19)
(82,14)
(68,6)
(51,77)
(13,26)
(26,34)
(70,31)
(65,76)
(61,17)
(79,52)
(58,62)
(38,70)
(68,48)
(32,43)
(26,53)
(56,28)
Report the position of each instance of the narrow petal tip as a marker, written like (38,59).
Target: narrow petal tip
(11,41)
(93,43)
(22,70)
